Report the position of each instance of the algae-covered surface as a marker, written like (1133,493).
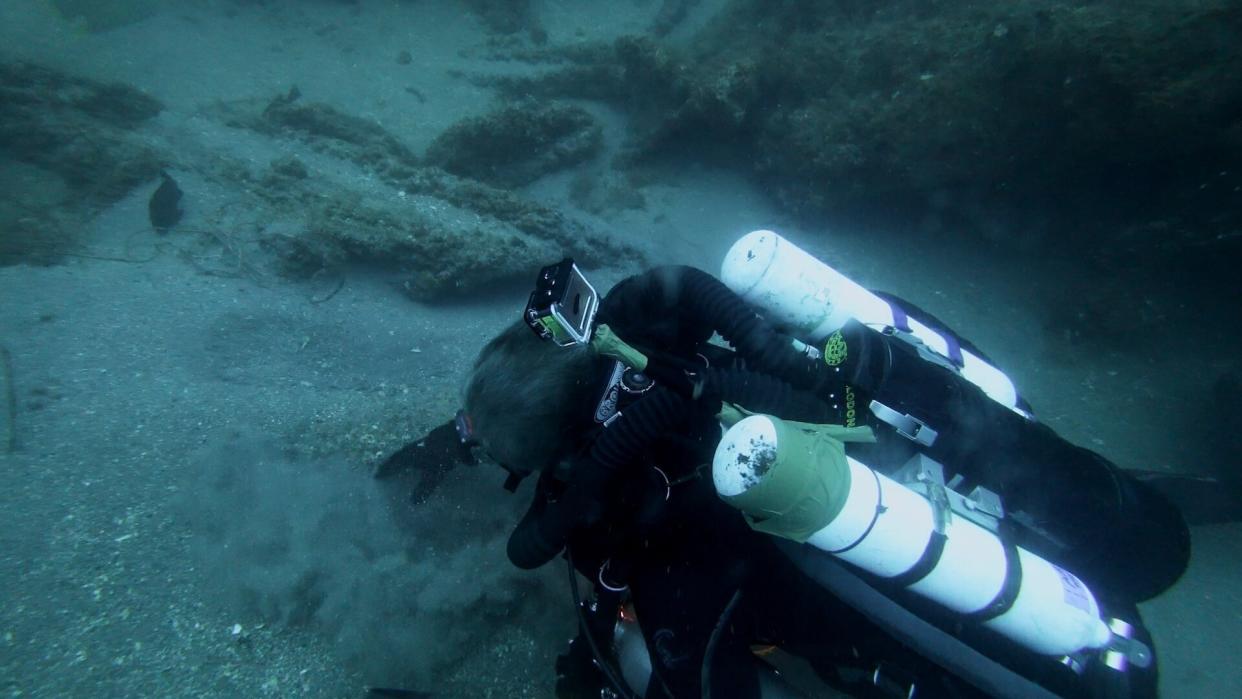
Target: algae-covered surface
(189,419)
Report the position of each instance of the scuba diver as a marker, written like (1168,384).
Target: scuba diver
(784,464)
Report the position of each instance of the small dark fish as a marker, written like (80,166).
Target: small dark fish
(164,209)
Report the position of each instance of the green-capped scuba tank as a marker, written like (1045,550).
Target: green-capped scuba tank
(923,387)
(912,533)
(1004,570)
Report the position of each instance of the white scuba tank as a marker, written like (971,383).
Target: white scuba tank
(807,295)
(884,527)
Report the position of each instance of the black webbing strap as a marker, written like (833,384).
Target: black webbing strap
(938,646)
(926,563)
(880,508)
(1008,593)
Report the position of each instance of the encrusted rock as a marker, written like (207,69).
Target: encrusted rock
(334,133)
(929,108)
(438,232)
(516,145)
(74,140)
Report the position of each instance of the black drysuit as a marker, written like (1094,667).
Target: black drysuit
(640,497)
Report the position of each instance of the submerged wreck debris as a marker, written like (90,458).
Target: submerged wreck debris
(333,133)
(637,74)
(436,248)
(68,150)
(674,105)
(357,194)
(517,144)
(79,129)
(932,108)
(439,232)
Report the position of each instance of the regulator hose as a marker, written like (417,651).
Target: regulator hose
(678,306)
(762,393)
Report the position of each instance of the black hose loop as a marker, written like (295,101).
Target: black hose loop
(700,299)
(709,654)
(545,528)
(762,393)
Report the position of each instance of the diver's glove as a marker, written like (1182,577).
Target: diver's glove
(534,543)
(546,526)
(433,456)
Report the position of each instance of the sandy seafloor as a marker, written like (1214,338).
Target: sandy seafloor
(164,411)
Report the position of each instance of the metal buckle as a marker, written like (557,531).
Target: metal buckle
(907,426)
(1124,650)
(925,476)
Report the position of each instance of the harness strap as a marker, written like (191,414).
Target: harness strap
(880,508)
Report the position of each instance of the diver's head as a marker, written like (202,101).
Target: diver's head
(527,398)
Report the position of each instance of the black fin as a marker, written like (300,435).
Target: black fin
(1202,499)
(403,460)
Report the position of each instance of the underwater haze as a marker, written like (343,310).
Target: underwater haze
(198,379)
